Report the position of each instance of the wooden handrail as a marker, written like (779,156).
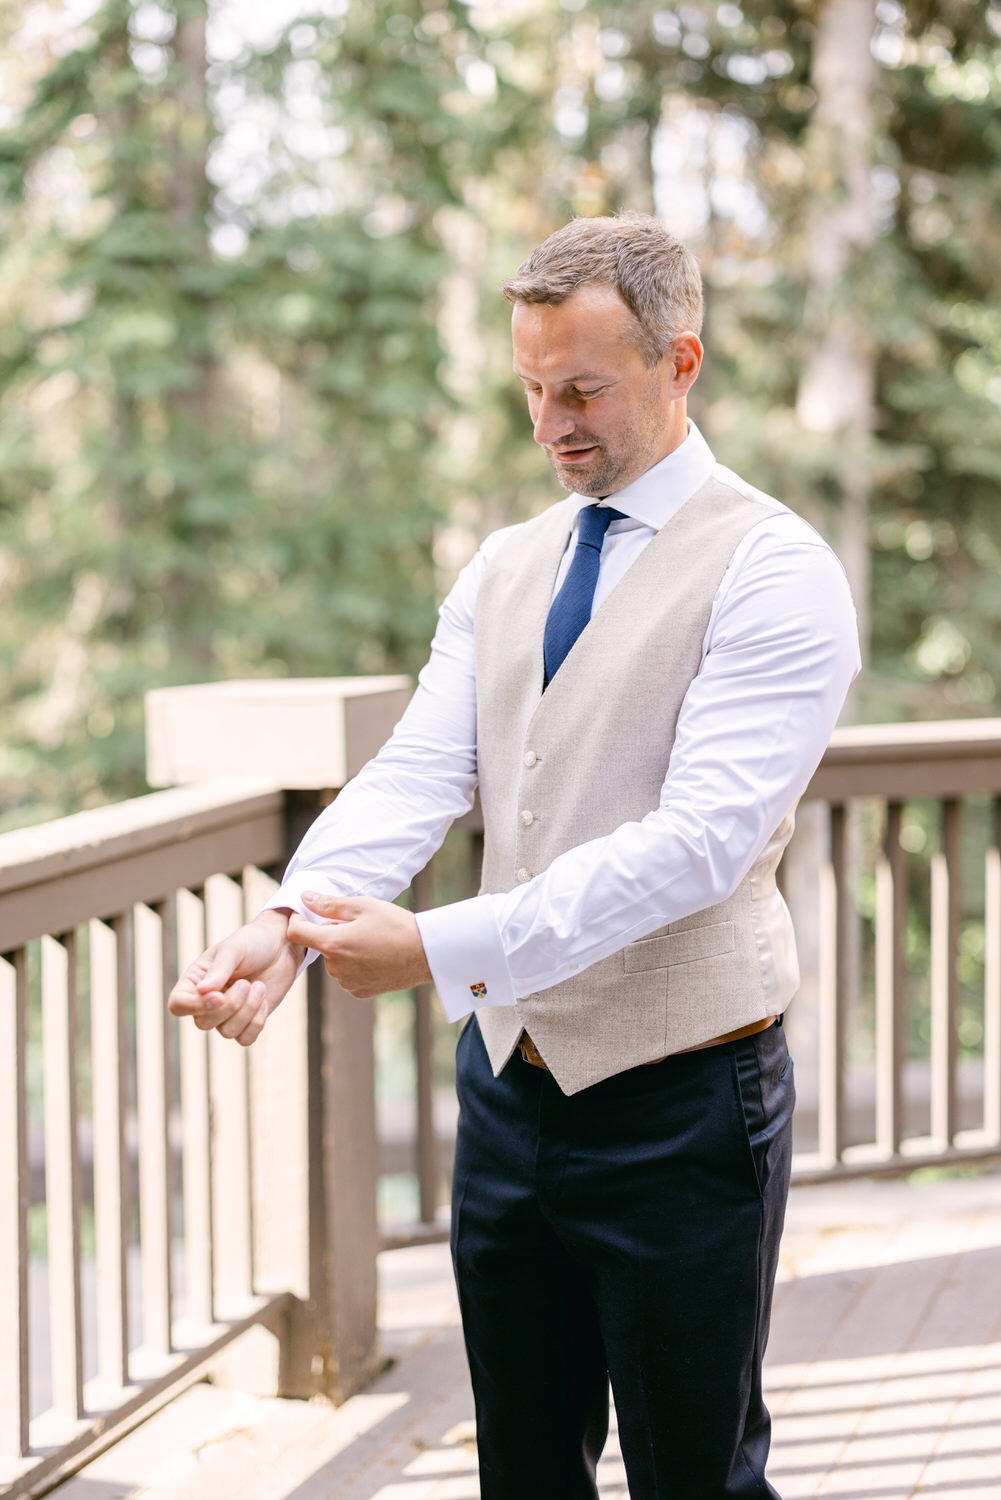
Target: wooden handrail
(942,759)
(95,863)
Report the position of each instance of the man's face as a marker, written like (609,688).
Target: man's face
(601,414)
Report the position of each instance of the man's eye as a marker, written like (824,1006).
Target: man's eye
(586,395)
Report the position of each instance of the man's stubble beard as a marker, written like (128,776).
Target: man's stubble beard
(591,481)
(613,471)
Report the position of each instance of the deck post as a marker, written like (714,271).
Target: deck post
(328,1343)
(349,1163)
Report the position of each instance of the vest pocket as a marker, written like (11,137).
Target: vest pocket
(678,948)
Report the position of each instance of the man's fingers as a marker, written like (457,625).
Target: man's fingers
(205,1020)
(300,931)
(254,1027)
(337,910)
(203,982)
(235,984)
(334,908)
(222,963)
(313,934)
(226,1011)
(214,1010)
(249,1001)
(186,998)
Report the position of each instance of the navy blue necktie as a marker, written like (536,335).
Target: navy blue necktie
(571,609)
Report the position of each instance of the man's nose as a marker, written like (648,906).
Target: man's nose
(553,420)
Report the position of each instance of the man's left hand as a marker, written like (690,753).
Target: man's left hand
(369,946)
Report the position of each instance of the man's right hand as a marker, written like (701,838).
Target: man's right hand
(236,984)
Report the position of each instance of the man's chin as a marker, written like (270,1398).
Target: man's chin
(583,479)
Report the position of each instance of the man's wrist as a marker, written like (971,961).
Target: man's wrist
(276,918)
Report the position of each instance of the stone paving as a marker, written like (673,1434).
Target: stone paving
(884,1375)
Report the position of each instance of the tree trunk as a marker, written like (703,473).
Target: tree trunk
(835,400)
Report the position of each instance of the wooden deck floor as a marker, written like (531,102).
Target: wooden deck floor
(884,1366)
(884,1375)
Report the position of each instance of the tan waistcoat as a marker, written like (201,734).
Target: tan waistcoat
(573,764)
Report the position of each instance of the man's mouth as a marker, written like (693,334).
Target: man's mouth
(574,455)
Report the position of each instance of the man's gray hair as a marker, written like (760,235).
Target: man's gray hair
(653,272)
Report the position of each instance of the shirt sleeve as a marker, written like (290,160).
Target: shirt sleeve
(779,656)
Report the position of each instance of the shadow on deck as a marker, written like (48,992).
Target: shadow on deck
(884,1375)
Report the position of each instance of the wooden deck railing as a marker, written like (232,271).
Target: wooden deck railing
(906,880)
(220,1189)
(910,895)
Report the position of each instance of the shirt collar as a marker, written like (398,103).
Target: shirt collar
(662,490)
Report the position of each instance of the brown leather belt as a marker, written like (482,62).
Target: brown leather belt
(531,1053)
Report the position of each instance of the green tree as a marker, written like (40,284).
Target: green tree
(937,316)
(255,393)
(213,464)
(849,246)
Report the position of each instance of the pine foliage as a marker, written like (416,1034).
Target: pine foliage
(255,393)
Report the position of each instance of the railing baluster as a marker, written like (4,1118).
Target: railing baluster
(151,1094)
(14,1193)
(891,910)
(992,978)
(229,1092)
(945,920)
(62,1172)
(835,948)
(196,1150)
(109,950)
(279,1082)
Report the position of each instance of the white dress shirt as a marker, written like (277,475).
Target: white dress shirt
(779,654)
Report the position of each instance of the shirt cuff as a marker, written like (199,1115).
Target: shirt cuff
(462,944)
(289,895)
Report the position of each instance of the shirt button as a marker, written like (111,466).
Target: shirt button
(527,818)
(530,758)
(523,875)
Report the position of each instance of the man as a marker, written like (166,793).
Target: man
(641,682)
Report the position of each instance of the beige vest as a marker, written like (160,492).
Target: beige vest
(590,754)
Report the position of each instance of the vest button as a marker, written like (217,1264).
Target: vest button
(522,875)
(530,758)
(527,818)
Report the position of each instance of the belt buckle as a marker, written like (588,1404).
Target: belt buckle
(530,1052)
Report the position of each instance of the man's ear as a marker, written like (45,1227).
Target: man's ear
(685,355)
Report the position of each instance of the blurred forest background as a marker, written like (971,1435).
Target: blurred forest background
(256,405)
